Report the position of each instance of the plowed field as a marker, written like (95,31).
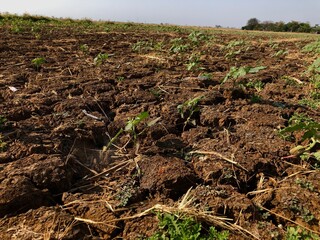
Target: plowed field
(68,171)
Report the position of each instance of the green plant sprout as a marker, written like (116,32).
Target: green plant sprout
(184,228)
(313,99)
(257,85)
(38,62)
(159,46)
(296,233)
(314,68)
(235,48)
(100,59)
(197,36)
(313,47)
(280,53)
(188,108)
(311,136)
(236,73)
(194,63)
(141,46)
(130,128)
(178,45)
(235,43)
(84,48)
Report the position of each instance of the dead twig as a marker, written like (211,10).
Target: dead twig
(219,155)
(89,221)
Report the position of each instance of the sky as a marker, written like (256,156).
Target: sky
(227,13)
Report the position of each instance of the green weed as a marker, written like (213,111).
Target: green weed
(84,48)
(235,43)
(205,76)
(38,62)
(131,126)
(310,131)
(184,228)
(178,45)
(159,46)
(142,46)
(197,36)
(188,109)
(313,47)
(280,53)
(194,63)
(120,78)
(296,233)
(310,102)
(305,184)
(236,73)
(257,85)
(314,68)
(297,207)
(100,59)
(235,48)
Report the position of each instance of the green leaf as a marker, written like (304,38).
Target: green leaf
(293,128)
(131,124)
(317,155)
(256,69)
(242,71)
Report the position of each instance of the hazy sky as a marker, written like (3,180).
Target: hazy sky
(228,13)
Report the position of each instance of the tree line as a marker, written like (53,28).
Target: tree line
(293,26)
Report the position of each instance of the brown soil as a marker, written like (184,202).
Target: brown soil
(57,183)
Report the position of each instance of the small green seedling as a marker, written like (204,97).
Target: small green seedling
(194,63)
(257,85)
(38,62)
(310,136)
(235,48)
(188,108)
(100,59)
(313,47)
(197,36)
(142,46)
(131,126)
(313,100)
(314,68)
(178,45)
(296,233)
(84,48)
(280,53)
(236,73)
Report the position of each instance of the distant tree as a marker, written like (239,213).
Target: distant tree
(267,26)
(304,27)
(280,26)
(293,26)
(252,24)
(316,29)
